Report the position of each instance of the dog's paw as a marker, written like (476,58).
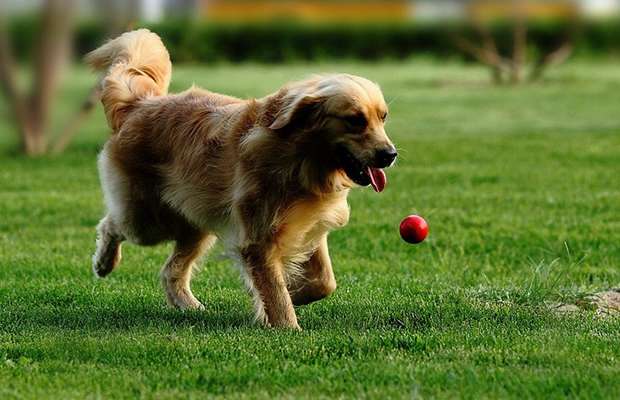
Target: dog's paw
(286,326)
(281,323)
(184,300)
(106,260)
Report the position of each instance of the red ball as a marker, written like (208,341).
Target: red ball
(413,229)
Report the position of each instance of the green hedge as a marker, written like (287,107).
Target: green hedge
(280,41)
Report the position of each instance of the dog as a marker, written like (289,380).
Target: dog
(268,176)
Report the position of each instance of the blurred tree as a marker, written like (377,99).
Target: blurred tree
(31,108)
(512,68)
(118,17)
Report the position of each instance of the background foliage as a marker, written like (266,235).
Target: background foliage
(190,41)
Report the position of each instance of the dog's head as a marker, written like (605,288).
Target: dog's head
(342,117)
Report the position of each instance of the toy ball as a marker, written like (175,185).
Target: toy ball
(413,229)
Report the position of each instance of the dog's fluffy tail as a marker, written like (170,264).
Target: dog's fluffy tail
(138,66)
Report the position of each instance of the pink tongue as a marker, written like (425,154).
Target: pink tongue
(377,179)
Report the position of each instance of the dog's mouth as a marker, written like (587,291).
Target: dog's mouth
(361,173)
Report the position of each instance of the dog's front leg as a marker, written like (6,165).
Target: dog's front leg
(318,279)
(265,270)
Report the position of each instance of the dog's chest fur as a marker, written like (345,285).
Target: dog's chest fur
(304,223)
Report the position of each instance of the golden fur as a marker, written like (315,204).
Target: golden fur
(262,174)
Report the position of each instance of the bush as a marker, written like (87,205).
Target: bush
(280,41)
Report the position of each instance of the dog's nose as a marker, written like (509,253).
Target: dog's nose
(385,157)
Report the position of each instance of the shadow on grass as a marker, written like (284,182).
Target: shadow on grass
(443,313)
(121,317)
(419,313)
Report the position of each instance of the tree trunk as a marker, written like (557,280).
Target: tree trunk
(51,57)
(519,43)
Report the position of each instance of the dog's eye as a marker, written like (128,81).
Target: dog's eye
(356,121)
(384,116)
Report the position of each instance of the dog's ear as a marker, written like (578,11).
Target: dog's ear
(295,108)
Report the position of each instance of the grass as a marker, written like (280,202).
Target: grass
(520,187)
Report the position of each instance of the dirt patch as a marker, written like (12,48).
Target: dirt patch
(605,304)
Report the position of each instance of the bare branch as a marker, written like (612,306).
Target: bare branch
(556,57)
(74,123)
(8,76)
(8,85)
(490,46)
(483,55)
(488,41)
(72,126)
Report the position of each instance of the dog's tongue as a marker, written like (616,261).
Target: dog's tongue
(377,179)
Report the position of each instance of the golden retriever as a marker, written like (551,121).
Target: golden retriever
(268,176)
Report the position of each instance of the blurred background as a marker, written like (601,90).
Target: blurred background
(515,41)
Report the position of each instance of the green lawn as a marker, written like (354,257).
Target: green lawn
(520,186)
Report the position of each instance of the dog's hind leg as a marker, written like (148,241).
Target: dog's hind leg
(108,252)
(177,272)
